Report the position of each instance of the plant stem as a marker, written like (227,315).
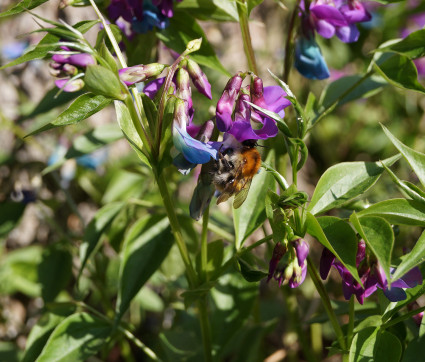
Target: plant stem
(205,328)
(246,36)
(289,45)
(277,176)
(204,245)
(403,317)
(326,303)
(175,226)
(331,107)
(350,321)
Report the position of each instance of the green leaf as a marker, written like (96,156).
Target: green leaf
(407,188)
(401,72)
(103,81)
(252,214)
(151,112)
(398,211)
(416,159)
(83,107)
(334,90)
(18,272)
(337,236)
(146,246)
(215,258)
(362,346)
(47,44)
(10,215)
(345,181)
(76,338)
(94,230)
(218,10)
(250,274)
(411,46)
(414,349)
(412,259)
(388,347)
(233,298)
(129,131)
(378,236)
(22,6)
(183,28)
(44,327)
(54,271)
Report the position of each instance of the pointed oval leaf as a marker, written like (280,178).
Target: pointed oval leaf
(401,72)
(412,45)
(378,236)
(83,107)
(22,6)
(361,349)
(398,211)
(388,347)
(412,259)
(252,214)
(345,181)
(414,349)
(95,229)
(146,246)
(337,236)
(103,81)
(416,159)
(75,339)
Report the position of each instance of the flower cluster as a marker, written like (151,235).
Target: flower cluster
(234,113)
(140,16)
(328,18)
(294,270)
(371,275)
(68,68)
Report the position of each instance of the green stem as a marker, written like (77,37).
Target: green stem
(246,36)
(277,176)
(204,246)
(331,107)
(403,317)
(205,329)
(326,303)
(123,330)
(175,226)
(290,44)
(350,321)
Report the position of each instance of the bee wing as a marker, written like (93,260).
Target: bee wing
(242,194)
(223,197)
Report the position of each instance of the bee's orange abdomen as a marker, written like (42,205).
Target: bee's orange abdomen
(252,162)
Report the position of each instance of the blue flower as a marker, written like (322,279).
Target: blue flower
(309,60)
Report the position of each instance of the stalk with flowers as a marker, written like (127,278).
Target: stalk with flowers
(120,271)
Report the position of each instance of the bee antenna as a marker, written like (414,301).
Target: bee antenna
(257,145)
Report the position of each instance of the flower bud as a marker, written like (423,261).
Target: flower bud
(70,85)
(69,69)
(199,78)
(183,90)
(180,114)
(205,132)
(140,73)
(278,252)
(302,250)
(257,89)
(243,109)
(226,103)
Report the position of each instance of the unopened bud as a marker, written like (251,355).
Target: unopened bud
(243,109)
(139,73)
(205,132)
(226,103)
(183,90)
(69,85)
(289,271)
(180,114)
(199,78)
(193,45)
(257,88)
(69,69)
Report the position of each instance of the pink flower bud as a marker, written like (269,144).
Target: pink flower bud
(69,86)
(183,90)
(227,102)
(199,78)
(140,73)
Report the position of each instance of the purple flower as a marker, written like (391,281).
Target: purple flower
(142,16)
(139,73)
(234,115)
(295,271)
(194,151)
(371,274)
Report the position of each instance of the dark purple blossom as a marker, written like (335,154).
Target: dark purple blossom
(371,274)
(236,117)
(295,270)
